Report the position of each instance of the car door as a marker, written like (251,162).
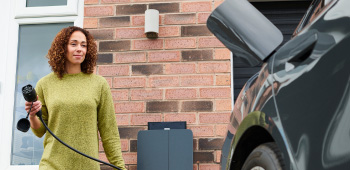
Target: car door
(313,97)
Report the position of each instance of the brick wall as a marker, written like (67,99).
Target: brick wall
(184,75)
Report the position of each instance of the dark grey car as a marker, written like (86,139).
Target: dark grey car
(295,113)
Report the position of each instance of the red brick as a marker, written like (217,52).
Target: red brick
(94,11)
(130,107)
(130,158)
(113,1)
(143,119)
(104,59)
(163,56)
(218,156)
(120,94)
(129,82)
(131,57)
(195,145)
(112,22)
(144,0)
(202,18)
(161,19)
(102,34)
(201,131)
(90,23)
(197,80)
(131,9)
(222,54)
(100,146)
(223,105)
(195,30)
(197,106)
(221,130)
(148,94)
(129,33)
(147,44)
(196,6)
(180,68)
(90,1)
(169,31)
(209,166)
(210,143)
(222,92)
(206,42)
(132,167)
(217,3)
(180,43)
(180,94)
(147,69)
(203,157)
(103,157)
(165,7)
(223,79)
(214,118)
(190,118)
(172,19)
(114,46)
(124,144)
(123,119)
(130,132)
(197,55)
(162,106)
(120,70)
(195,167)
(137,20)
(224,67)
(133,145)
(164,81)
(109,81)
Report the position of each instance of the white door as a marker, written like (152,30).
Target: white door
(28,29)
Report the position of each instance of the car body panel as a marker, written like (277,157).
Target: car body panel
(310,94)
(300,99)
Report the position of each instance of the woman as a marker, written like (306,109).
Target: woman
(76,105)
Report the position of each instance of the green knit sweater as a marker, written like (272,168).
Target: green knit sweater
(76,108)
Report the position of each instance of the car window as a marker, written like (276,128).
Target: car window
(313,11)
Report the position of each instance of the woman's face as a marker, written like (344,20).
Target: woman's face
(76,48)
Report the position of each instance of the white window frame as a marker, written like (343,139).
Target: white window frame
(14,13)
(43,11)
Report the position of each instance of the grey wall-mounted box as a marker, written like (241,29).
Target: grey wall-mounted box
(165,149)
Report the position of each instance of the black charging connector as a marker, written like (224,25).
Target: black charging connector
(23,125)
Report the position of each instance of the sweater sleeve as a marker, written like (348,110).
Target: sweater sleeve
(41,130)
(108,127)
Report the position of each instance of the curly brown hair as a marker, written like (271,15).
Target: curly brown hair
(58,50)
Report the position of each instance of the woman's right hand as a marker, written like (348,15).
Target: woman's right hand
(36,107)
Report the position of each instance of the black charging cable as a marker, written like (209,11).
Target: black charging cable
(30,96)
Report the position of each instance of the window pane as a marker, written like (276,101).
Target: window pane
(36,3)
(34,42)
